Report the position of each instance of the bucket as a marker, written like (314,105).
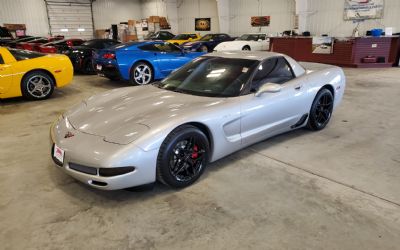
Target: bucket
(376,32)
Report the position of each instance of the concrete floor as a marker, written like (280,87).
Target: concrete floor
(334,189)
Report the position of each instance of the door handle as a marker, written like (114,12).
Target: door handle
(298,87)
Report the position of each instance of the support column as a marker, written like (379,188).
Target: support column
(223,15)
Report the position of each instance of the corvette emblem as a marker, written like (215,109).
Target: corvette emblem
(68,135)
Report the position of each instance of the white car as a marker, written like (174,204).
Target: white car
(251,42)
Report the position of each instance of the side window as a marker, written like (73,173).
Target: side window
(167,47)
(193,36)
(262,37)
(149,47)
(1,60)
(272,70)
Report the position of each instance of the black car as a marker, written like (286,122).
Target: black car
(81,56)
(207,43)
(160,35)
(5,35)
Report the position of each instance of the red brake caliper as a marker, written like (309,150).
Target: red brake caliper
(195,153)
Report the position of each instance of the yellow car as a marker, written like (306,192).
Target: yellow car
(184,37)
(31,74)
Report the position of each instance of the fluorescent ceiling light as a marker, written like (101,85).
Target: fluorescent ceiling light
(81,29)
(64,30)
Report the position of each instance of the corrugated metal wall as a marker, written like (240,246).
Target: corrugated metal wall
(107,12)
(327,18)
(32,13)
(282,14)
(166,8)
(188,10)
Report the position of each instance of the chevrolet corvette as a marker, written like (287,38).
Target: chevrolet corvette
(31,74)
(253,42)
(141,62)
(211,107)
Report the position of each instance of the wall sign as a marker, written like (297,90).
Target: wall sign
(258,21)
(202,24)
(322,45)
(363,9)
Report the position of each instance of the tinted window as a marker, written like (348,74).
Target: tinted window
(1,60)
(193,36)
(272,70)
(181,37)
(20,55)
(162,47)
(211,76)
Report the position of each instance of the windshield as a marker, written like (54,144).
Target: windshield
(211,76)
(248,37)
(207,37)
(20,55)
(181,37)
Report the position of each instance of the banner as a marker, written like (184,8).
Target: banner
(202,24)
(257,21)
(363,9)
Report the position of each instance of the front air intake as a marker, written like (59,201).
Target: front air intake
(108,172)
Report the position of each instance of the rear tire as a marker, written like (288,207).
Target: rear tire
(141,74)
(247,48)
(321,110)
(37,85)
(183,156)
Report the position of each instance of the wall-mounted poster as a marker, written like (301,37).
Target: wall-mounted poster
(363,9)
(322,45)
(202,24)
(257,21)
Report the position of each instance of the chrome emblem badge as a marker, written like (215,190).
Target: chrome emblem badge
(68,135)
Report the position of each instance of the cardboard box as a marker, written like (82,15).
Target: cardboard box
(131,38)
(14,27)
(101,34)
(154,19)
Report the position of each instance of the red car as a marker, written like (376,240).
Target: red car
(61,46)
(34,44)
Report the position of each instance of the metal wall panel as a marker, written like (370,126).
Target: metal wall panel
(32,13)
(70,18)
(188,10)
(282,14)
(166,8)
(107,12)
(326,17)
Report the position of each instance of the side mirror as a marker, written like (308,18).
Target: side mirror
(268,88)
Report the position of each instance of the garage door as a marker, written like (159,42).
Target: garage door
(72,19)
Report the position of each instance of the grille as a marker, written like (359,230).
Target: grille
(83,169)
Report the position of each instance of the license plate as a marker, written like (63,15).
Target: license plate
(58,153)
(99,67)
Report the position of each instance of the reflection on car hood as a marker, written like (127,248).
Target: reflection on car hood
(128,112)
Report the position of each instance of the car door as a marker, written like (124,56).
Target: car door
(169,57)
(272,113)
(6,74)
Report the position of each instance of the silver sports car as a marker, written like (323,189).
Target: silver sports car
(211,107)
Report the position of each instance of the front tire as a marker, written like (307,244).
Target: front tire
(141,74)
(183,156)
(321,110)
(246,48)
(37,85)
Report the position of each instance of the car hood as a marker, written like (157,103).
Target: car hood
(192,44)
(123,115)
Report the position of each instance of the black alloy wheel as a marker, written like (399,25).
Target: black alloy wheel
(183,157)
(321,110)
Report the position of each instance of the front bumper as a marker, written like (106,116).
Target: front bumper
(84,153)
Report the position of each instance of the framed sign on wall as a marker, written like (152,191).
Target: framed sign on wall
(363,9)
(257,21)
(202,24)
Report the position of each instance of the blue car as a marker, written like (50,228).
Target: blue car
(141,62)
(207,43)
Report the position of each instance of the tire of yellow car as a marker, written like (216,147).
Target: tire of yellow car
(37,85)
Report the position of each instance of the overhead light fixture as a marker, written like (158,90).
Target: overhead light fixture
(64,30)
(81,29)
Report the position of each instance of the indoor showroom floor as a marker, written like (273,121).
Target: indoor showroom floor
(333,189)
